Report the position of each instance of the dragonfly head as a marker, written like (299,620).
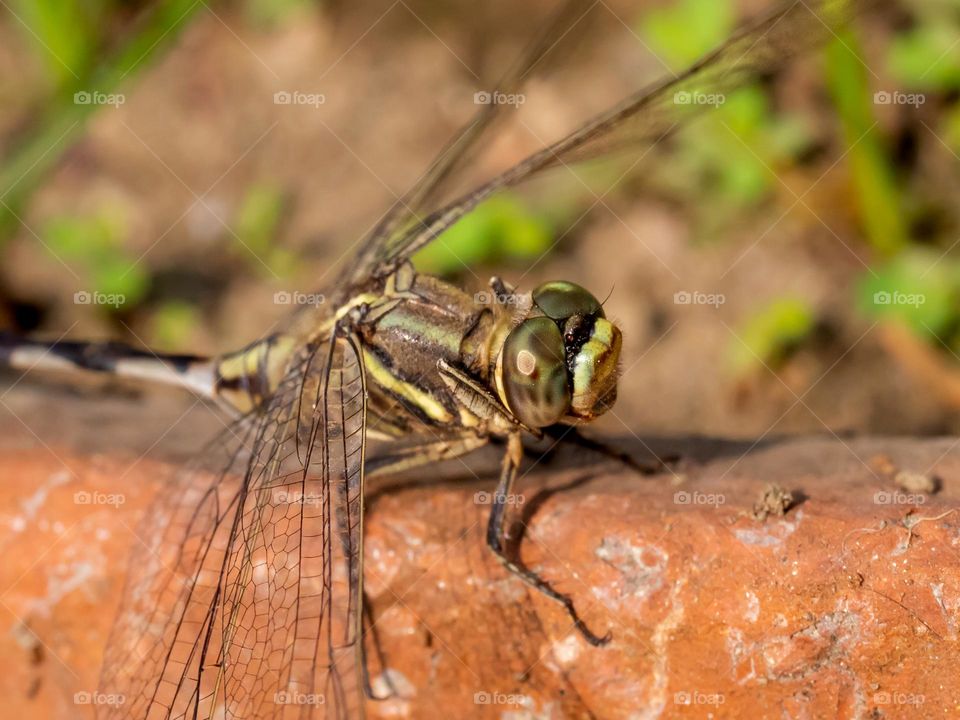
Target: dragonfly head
(560,363)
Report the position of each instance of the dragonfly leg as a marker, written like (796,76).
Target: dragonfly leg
(426,453)
(496,539)
(370,631)
(652,466)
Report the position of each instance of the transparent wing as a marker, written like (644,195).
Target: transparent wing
(246,603)
(639,121)
(415,204)
(173,581)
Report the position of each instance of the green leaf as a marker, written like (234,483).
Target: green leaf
(928,56)
(727,160)
(270,14)
(95,244)
(733,150)
(683,32)
(500,229)
(173,324)
(878,197)
(919,288)
(257,227)
(63,120)
(771,333)
(64,34)
(259,216)
(951,129)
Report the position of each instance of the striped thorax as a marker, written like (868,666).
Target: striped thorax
(438,357)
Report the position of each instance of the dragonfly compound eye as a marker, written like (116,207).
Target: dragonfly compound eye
(559,300)
(535,380)
(591,345)
(593,351)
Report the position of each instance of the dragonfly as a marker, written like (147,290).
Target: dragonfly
(246,600)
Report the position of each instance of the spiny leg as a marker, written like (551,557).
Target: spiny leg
(643,467)
(496,539)
(427,452)
(369,630)
(408,458)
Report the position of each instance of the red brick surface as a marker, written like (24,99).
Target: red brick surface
(846,607)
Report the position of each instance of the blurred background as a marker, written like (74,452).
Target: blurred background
(786,263)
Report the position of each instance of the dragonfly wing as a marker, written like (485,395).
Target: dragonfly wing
(416,203)
(640,120)
(246,603)
(151,660)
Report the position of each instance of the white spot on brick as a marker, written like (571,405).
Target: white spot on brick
(660,639)
(567,650)
(642,566)
(770,534)
(947,608)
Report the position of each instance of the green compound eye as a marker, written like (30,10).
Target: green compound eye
(535,373)
(560,299)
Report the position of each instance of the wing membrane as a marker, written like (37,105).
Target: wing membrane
(172,584)
(639,121)
(409,209)
(247,603)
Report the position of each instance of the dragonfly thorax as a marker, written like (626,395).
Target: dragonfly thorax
(559,364)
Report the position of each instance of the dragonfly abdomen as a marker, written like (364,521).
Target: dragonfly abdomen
(246,378)
(191,372)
